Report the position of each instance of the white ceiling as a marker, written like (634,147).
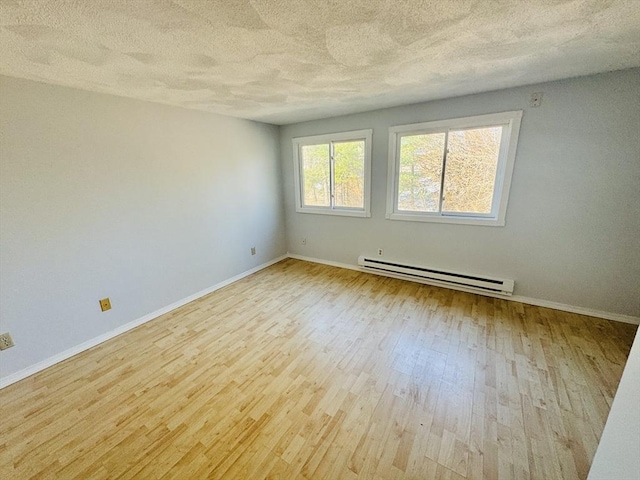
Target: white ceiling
(288,61)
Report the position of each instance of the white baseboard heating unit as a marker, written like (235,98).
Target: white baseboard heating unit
(442,278)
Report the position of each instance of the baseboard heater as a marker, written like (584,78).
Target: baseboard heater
(459,281)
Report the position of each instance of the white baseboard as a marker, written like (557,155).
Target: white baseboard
(618,317)
(17,376)
(27,372)
(324,262)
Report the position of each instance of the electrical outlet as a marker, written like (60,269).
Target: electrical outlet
(380,252)
(536,99)
(6,341)
(105,304)
(253,250)
(304,241)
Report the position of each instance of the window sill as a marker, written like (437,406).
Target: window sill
(341,213)
(487,222)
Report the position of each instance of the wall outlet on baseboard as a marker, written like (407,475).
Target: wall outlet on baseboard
(105,304)
(6,341)
(304,241)
(380,252)
(253,250)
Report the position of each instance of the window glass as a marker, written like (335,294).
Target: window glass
(420,172)
(349,174)
(333,173)
(315,171)
(470,176)
(453,171)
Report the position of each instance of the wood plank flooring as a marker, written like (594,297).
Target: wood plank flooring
(304,371)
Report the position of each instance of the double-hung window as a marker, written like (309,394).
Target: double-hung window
(453,171)
(333,173)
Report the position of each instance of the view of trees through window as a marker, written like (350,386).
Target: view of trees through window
(420,173)
(316,173)
(469,173)
(348,174)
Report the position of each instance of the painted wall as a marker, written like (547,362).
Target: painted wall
(572,233)
(103,196)
(148,204)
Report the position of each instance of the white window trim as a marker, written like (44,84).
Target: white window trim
(506,159)
(299,142)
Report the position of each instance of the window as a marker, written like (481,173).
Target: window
(332,173)
(453,171)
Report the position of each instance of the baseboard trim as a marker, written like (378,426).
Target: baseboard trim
(38,367)
(324,262)
(618,317)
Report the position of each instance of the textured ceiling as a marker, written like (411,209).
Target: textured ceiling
(287,61)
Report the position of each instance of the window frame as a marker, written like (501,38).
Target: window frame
(510,121)
(331,138)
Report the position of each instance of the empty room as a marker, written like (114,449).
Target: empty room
(254,239)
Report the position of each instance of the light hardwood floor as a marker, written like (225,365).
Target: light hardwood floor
(309,371)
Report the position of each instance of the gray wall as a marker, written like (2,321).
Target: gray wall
(105,196)
(147,204)
(572,231)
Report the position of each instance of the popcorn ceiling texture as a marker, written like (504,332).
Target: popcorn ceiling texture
(288,61)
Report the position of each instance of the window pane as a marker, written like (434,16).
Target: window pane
(315,174)
(471,170)
(349,174)
(420,172)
